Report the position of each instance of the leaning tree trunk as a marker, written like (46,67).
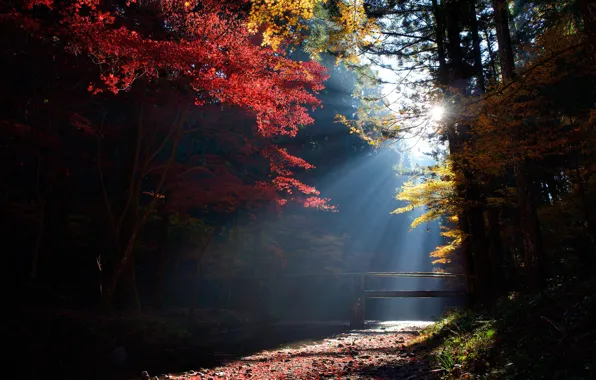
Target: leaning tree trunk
(122,280)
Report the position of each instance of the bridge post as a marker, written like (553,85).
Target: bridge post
(357,304)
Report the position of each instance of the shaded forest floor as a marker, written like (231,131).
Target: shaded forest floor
(550,335)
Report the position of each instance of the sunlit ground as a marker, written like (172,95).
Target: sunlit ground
(370,324)
(383,350)
(398,325)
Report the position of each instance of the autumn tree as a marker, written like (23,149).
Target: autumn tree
(202,54)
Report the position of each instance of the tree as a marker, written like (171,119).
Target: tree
(198,52)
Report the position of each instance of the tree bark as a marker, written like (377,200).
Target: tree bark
(588,10)
(162,255)
(530,226)
(532,236)
(495,249)
(477,239)
(130,223)
(197,277)
(477,52)
(440,38)
(458,133)
(493,66)
(42,216)
(504,39)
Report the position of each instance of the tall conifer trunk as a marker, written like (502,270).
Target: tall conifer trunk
(530,225)
(455,75)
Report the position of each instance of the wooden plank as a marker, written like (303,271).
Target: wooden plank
(356,274)
(413,274)
(413,294)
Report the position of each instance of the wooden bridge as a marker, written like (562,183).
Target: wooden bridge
(360,292)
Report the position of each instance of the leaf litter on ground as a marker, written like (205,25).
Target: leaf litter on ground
(362,354)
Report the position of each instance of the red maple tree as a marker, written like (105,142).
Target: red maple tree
(204,51)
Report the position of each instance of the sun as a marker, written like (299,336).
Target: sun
(436,113)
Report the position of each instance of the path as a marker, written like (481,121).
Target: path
(381,351)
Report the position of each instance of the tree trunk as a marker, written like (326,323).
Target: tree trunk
(458,133)
(42,222)
(127,293)
(456,76)
(477,240)
(530,225)
(477,52)
(440,38)
(587,255)
(197,277)
(496,250)
(124,268)
(504,39)
(131,222)
(162,255)
(491,55)
(588,9)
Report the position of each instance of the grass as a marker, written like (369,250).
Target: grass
(550,335)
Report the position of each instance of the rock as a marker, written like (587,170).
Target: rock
(145,376)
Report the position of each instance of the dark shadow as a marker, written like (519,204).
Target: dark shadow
(227,347)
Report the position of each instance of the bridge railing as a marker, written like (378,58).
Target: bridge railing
(360,292)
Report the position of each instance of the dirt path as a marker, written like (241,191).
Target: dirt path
(382,351)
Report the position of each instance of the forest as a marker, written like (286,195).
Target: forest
(207,189)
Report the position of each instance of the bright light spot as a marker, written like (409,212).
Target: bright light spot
(437,112)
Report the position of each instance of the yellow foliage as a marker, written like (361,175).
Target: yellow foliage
(284,20)
(353,30)
(442,252)
(281,19)
(436,193)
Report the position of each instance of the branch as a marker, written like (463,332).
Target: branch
(162,145)
(526,72)
(131,185)
(393,34)
(162,180)
(101,177)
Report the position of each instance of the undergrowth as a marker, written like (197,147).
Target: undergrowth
(550,335)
